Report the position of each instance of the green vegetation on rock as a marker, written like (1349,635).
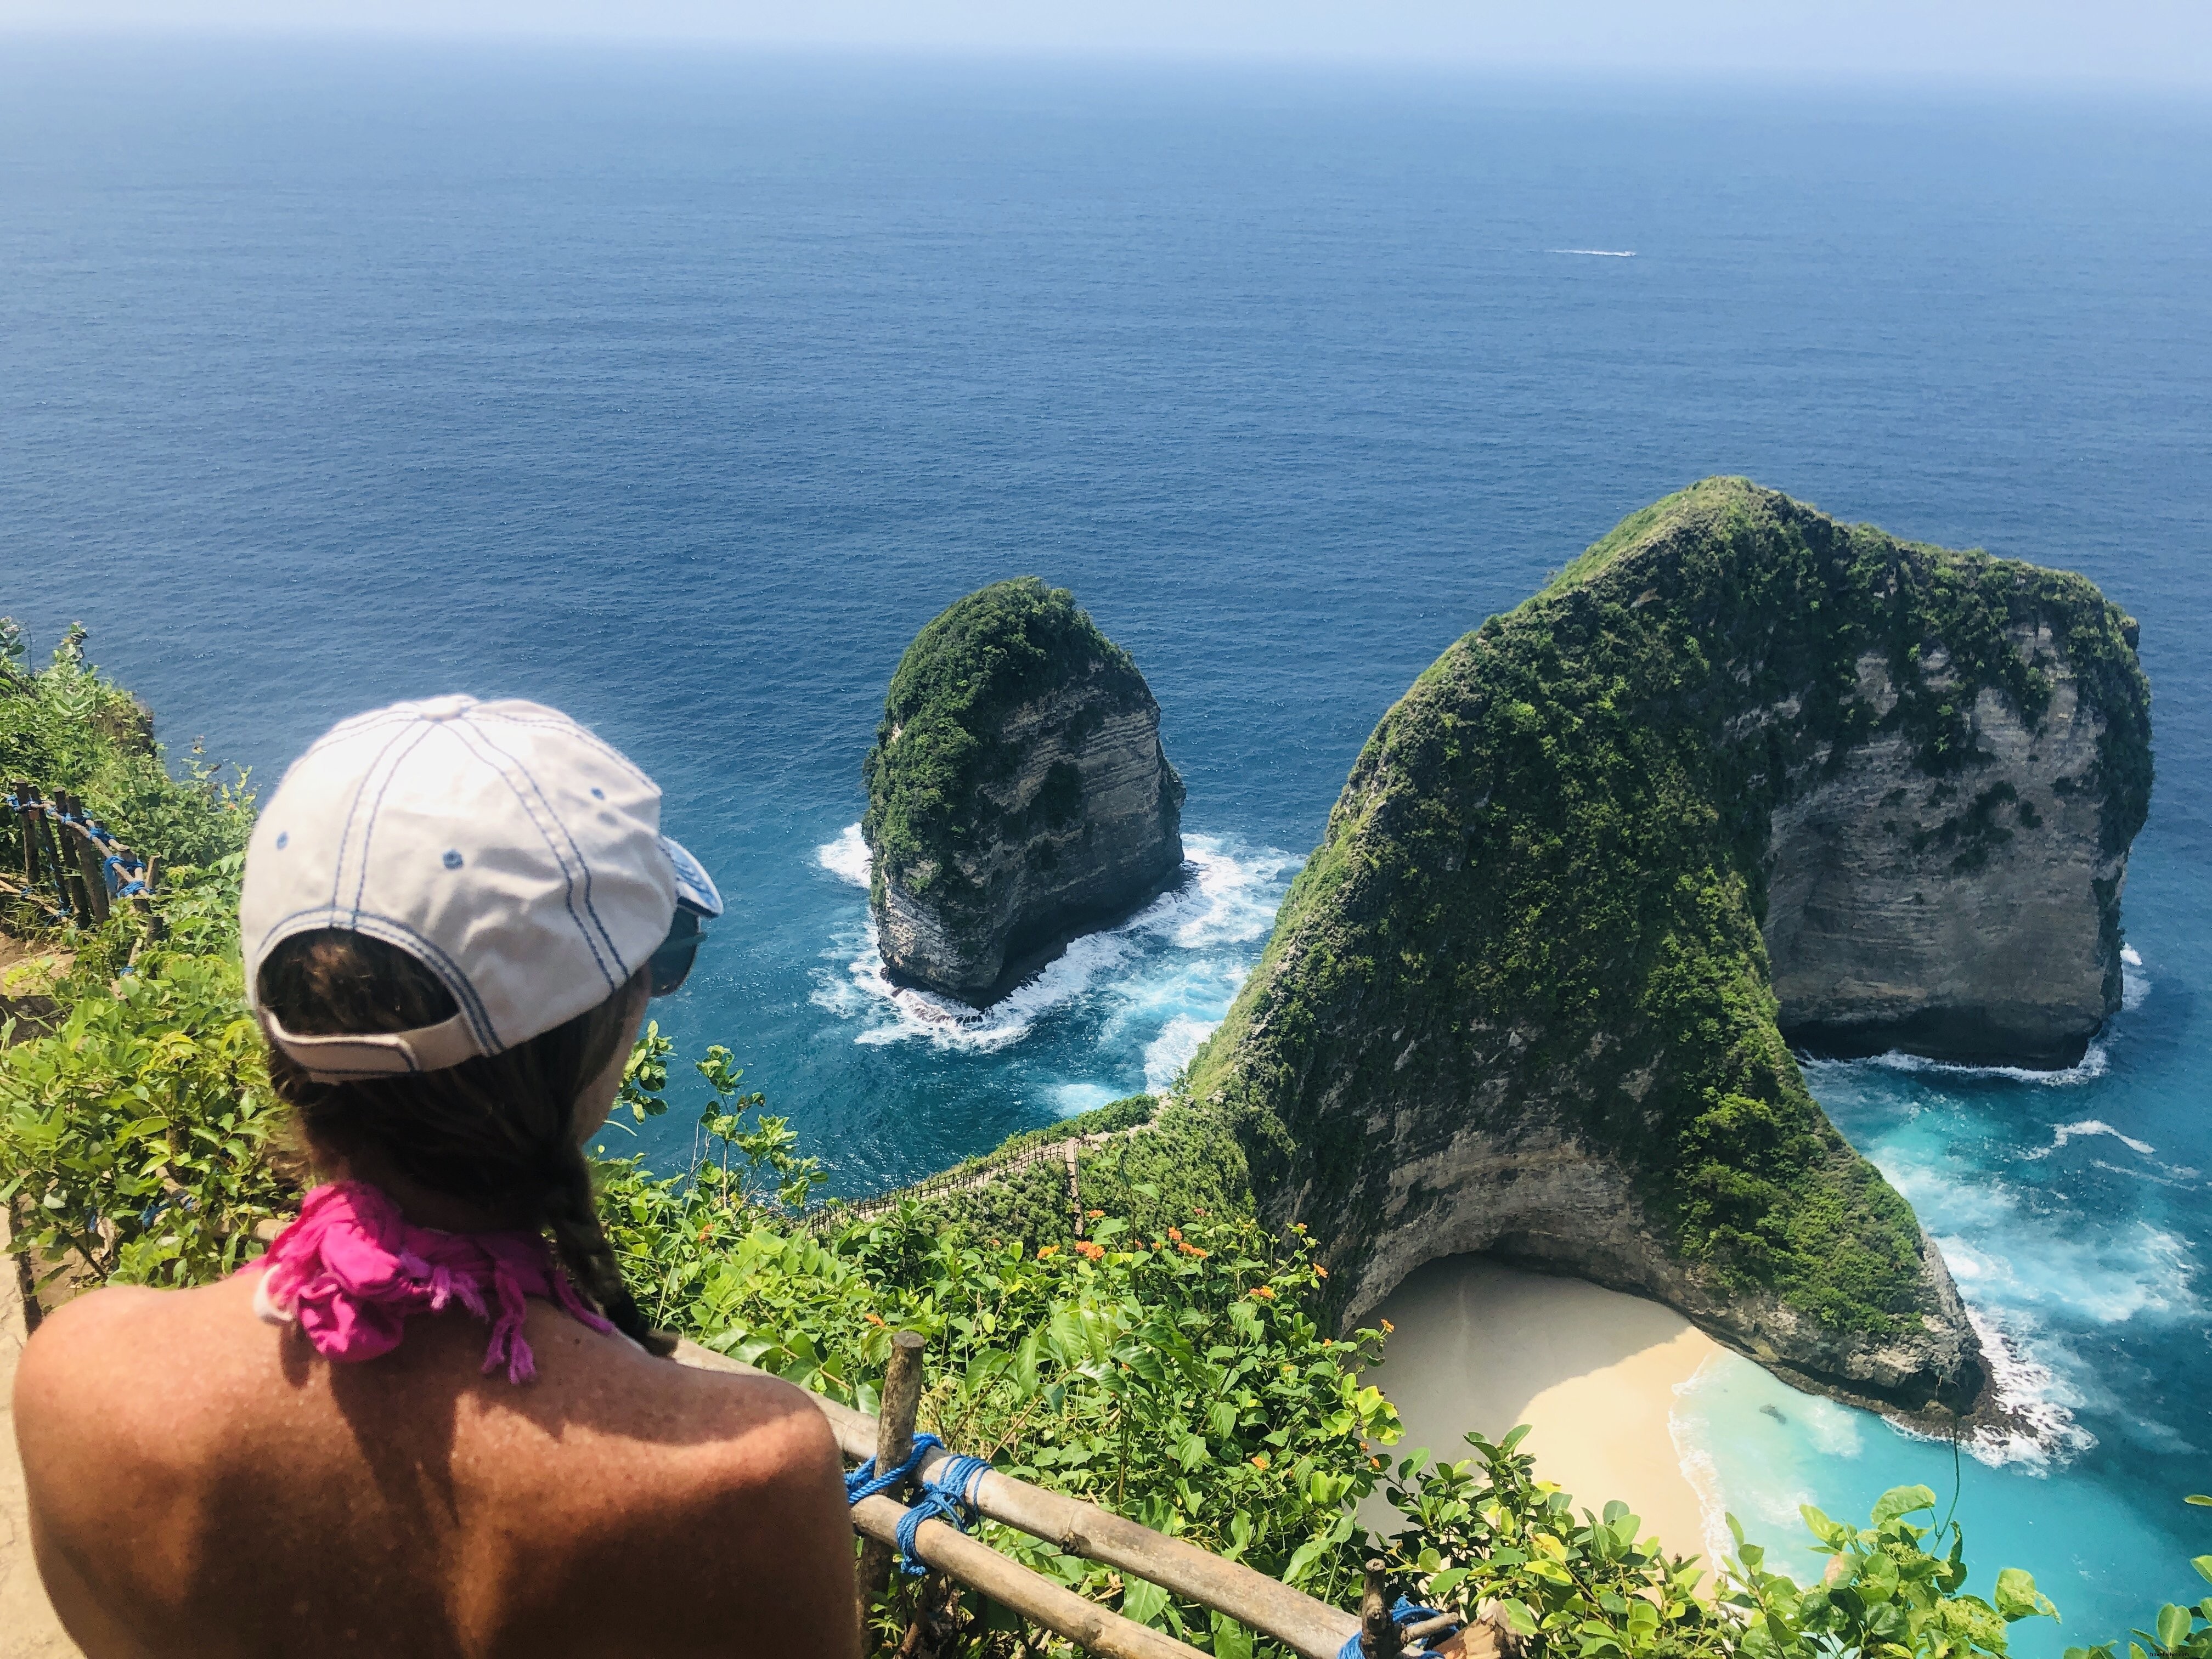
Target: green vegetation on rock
(1538,902)
(1003,646)
(1176,1366)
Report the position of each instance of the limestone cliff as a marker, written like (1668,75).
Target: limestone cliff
(1017,792)
(1971,910)
(1519,1001)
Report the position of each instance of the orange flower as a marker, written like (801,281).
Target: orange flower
(1264,1293)
(1388,1328)
(1095,1215)
(1320,1272)
(875,1318)
(1089,1251)
(1193,1251)
(1197,1212)
(1175,1233)
(1260,1460)
(1048,1249)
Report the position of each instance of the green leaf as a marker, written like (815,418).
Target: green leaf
(2017,1596)
(1143,1601)
(1518,1618)
(1231,1639)
(2204,1565)
(2172,1626)
(1901,1500)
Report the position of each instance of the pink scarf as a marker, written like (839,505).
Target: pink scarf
(352,1272)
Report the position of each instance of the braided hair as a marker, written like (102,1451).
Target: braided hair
(497,1130)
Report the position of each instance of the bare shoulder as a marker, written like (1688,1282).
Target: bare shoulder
(139,1372)
(84,1346)
(748,1463)
(738,1436)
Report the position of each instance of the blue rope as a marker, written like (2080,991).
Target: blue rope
(948,1494)
(865,1482)
(1405,1615)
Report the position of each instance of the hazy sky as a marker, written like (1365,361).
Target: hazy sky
(2155,40)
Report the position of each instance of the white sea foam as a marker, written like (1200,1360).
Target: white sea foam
(2092,1066)
(2038,1427)
(1070,1099)
(847,858)
(1226,900)
(1597,253)
(2090,1126)
(1684,1428)
(2134,984)
(1171,1050)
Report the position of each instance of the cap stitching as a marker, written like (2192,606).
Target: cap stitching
(568,879)
(353,808)
(368,830)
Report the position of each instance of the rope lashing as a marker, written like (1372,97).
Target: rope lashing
(948,1493)
(1405,1615)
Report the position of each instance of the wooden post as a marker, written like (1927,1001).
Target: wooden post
(24,795)
(1311,1629)
(1074,1188)
(40,823)
(89,858)
(1378,1634)
(901,1398)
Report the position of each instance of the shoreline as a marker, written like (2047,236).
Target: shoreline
(1596,1373)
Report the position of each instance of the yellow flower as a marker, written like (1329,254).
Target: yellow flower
(1048,1249)
(1263,1292)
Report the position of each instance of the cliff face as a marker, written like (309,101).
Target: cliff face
(1017,792)
(1969,915)
(1519,1000)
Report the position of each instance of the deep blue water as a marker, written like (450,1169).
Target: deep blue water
(680,391)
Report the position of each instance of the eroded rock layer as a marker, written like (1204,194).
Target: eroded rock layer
(1519,1000)
(1017,792)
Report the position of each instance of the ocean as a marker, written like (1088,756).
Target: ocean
(679,390)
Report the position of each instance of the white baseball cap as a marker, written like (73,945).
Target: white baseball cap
(515,855)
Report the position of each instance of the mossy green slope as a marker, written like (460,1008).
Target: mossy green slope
(1011,644)
(1537,908)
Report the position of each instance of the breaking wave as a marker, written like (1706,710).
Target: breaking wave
(1159,983)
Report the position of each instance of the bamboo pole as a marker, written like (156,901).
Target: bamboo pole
(1036,1598)
(24,796)
(50,843)
(894,1443)
(89,859)
(1310,1628)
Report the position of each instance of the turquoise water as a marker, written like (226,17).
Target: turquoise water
(680,391)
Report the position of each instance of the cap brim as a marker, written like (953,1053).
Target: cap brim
(695,889)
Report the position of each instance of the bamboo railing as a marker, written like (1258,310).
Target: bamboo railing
(74,871)
(1312,1629)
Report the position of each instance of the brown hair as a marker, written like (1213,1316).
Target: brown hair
(498,1130)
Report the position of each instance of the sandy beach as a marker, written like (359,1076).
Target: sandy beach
(1594,1372)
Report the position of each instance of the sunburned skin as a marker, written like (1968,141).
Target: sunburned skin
(204,1482)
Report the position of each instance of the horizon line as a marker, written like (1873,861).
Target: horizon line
(1432,66)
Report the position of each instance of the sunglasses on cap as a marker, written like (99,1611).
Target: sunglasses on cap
(670,964)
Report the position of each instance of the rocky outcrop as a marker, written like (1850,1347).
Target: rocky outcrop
(1972,913)
(1018,793)
(1519,1000)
